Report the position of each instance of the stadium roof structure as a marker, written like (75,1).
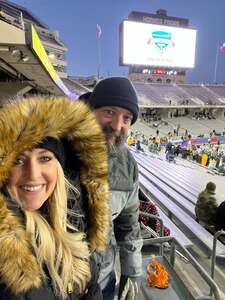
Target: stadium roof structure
(75,86)
(22,54)
(14,10)
(18,15)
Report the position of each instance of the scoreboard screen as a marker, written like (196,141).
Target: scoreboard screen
(157,45)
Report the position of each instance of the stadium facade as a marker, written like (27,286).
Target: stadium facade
(32,58)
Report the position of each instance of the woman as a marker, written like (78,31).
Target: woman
(42,253)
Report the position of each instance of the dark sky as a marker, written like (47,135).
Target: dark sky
(76,22)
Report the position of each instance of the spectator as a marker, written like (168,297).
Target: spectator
(130,140)
(153,146)
(221,169)
(169,150)
(220,217)
(115,103)
(158,141)
(43,254)
(206,205)
(138,146)
(174,132)
(178,128)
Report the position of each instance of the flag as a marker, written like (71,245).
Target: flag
(22,20)
(99,30)
(222,47)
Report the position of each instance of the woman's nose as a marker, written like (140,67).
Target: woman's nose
(32,170)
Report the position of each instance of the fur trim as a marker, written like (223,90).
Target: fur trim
(18,267)
(23,125)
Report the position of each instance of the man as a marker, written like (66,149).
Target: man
(169,151)
(115,104)
(206,205)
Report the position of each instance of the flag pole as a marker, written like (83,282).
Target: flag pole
(99,57)
(22,21)
(216,63)
(99,32)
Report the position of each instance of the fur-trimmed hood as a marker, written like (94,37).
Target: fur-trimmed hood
(23,125)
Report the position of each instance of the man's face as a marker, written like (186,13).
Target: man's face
(115,121)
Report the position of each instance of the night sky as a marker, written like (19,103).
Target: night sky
(76,22)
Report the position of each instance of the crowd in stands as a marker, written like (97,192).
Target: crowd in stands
(203,116)
(151,116)
(210,155)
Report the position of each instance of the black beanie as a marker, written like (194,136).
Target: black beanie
(55,146)
(85,96)
(115,91)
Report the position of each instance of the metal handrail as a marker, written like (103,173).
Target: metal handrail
(213,258)
(214,289)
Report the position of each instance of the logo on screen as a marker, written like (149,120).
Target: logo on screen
(162,40)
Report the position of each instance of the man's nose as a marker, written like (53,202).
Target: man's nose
(117,123)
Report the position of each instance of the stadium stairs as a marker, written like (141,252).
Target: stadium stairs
(171,187)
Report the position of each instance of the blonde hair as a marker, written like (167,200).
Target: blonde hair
(65,254)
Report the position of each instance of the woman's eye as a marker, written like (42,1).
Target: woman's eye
(45,158)
(19,161)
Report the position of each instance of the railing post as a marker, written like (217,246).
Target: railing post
(213,258)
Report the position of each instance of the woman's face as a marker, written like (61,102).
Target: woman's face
(33,178)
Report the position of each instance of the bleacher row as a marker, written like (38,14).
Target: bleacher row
(179,94)
(175,197)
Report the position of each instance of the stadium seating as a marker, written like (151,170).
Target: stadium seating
(176,197)
(179,94)
(219,90)
(201,93)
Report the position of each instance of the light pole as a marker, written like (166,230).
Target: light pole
(216,62)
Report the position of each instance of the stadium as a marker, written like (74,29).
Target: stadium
(190,116)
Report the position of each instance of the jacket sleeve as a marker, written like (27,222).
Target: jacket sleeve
(128,236)
(93,289)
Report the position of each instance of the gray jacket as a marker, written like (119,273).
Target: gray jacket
(124,206)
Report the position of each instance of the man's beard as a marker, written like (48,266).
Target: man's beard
(118,137)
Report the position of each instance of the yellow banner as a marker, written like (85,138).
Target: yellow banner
(41,53)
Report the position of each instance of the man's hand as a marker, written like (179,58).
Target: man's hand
(128,288)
